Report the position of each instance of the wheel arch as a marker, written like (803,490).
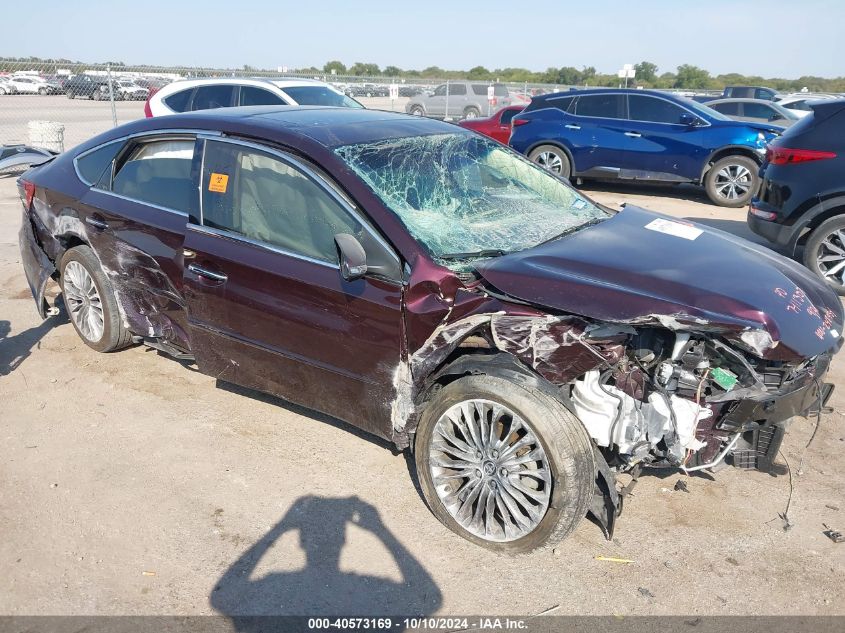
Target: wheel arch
(814,217)
(724,152)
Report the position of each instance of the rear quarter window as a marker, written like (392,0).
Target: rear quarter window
(91,166)
(500,90)
(178,101)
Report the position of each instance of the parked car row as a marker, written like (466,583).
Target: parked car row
(82,85)
(436,289)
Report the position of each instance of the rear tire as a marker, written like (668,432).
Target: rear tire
(416,111)
(42,92)
(90,301)
(553,159)
(732,181)
(70,94)
(472,113)
(544,494)
(824,253)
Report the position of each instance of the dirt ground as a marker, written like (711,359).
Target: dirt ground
(131,484)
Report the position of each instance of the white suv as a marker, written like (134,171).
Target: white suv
(206,94)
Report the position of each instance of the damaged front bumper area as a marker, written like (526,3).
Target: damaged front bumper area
(37,266)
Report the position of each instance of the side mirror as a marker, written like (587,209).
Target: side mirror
(776,117)
(353,259)
(688,119)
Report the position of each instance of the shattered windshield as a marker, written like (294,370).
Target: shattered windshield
(462,194)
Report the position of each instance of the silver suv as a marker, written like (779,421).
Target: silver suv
(459,100)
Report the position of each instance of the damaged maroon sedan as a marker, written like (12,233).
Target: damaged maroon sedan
(436,289)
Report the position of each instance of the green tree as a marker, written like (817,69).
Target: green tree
(366,70)
(646,72)
(393,71)
(338,67)
(478,72)
(690,76)
(433,71)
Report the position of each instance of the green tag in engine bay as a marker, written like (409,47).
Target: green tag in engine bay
(725,378)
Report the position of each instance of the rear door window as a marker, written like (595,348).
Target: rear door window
(508,115)
(158,173)
(178,101)
(757,111)
(653,110)
(610,106)
(479,89)
(730,109)
(253,96)
(457,90)
(212,97)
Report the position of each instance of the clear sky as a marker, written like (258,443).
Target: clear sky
(773,38)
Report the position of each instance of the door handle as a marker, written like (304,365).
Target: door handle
(208,274)
(97,223)
(633,134)
(569,126)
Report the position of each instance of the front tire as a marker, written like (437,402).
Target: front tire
(553,159)
(732,181)
(90,301)
(824,253)
(42,92)
(504,465)
(416,111)
(70,94)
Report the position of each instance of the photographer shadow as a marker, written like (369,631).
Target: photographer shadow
(321,588)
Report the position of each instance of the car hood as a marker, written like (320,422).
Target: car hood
(640,267)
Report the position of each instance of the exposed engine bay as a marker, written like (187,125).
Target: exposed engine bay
(674,399)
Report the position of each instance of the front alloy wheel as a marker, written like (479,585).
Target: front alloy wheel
(503,464)
(552,159)
(490,470)
(732,181)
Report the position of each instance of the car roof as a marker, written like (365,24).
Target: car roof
(280,82)
(290,125)
(599,91)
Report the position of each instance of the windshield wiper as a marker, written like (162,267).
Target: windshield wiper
(486,252)
(571,230)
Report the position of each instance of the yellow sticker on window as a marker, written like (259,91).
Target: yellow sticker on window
(218,183)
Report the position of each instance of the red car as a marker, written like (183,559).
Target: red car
(497,126)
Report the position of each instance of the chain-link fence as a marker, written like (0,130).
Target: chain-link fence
(84,99)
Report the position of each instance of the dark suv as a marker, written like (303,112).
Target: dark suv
(802,197)
(643,135)
(89,86)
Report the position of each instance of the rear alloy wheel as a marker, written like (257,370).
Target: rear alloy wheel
(732,181)
(553,159)
(42,91)
(824,253)
(417,111)
(503,465)
(90,301)
(471,113)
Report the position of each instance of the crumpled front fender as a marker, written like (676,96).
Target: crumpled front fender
(37,266)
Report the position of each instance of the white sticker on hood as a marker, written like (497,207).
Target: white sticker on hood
(674,228)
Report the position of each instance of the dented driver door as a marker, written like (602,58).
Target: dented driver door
(267,306)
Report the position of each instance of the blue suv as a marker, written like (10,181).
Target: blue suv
(643,135)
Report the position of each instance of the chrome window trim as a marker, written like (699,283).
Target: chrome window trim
(194,134)
(152,205)
(237,237)
(313,176)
